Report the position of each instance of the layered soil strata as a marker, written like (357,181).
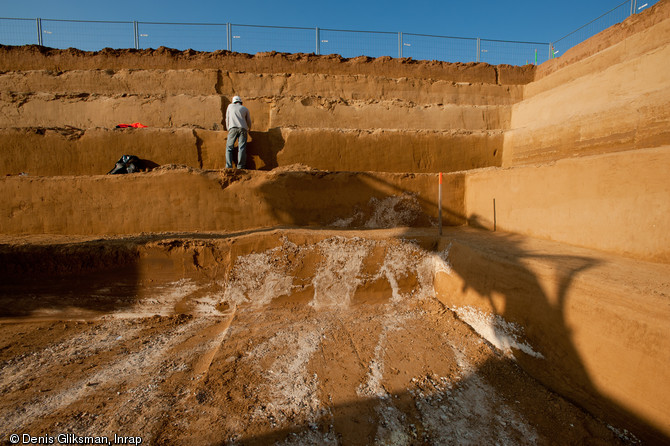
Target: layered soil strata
(362,325)
(313,99)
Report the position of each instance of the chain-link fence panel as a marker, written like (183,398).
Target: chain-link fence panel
(442,48)
(87,35)
(349,43)
(182,36)
(19,31)
(496,52)
(615,15)
(255,39)
(95,35)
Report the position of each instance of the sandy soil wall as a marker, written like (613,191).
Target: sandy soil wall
(208,112)
(459,106)
(589,102)
(615,202)
(612,363)
(391,150)
(605,111)
(187,200)
(52,151)
(40,58)
(197,82)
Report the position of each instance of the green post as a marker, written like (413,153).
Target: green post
(535,56)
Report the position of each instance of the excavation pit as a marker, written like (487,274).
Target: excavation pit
(295,336)
(309,299)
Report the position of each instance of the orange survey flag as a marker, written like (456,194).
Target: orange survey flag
(135,125)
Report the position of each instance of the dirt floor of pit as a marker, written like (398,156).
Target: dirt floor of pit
(353,349)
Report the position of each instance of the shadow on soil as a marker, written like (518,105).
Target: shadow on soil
(262,149)
(497,269)
(95,276)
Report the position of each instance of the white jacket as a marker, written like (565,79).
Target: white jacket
(237,115)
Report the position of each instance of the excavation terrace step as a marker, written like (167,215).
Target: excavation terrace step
(597,321)
(173,198)
(256,85)
(632,94)
(615,202)
(92,110)
(69,151)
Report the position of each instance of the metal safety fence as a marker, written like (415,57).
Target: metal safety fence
(613,16)
(96,35)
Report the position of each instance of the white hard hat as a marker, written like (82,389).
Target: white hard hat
(237,99)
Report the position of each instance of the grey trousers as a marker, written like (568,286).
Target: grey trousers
(233,134)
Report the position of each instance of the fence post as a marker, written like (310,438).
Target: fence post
(479,48)
(39,31)
(137,36)
(318,42)
(229,44)
(400,45)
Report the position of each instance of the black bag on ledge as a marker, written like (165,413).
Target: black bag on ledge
(125,164)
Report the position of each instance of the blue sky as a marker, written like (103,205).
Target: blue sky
(524,20)
(488,20)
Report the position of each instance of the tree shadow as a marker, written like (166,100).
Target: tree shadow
(364,200)
(262,149)
(499,274)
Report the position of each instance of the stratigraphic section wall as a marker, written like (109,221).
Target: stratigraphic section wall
(183,199)
(392,150)
(324,112)
(617,202)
